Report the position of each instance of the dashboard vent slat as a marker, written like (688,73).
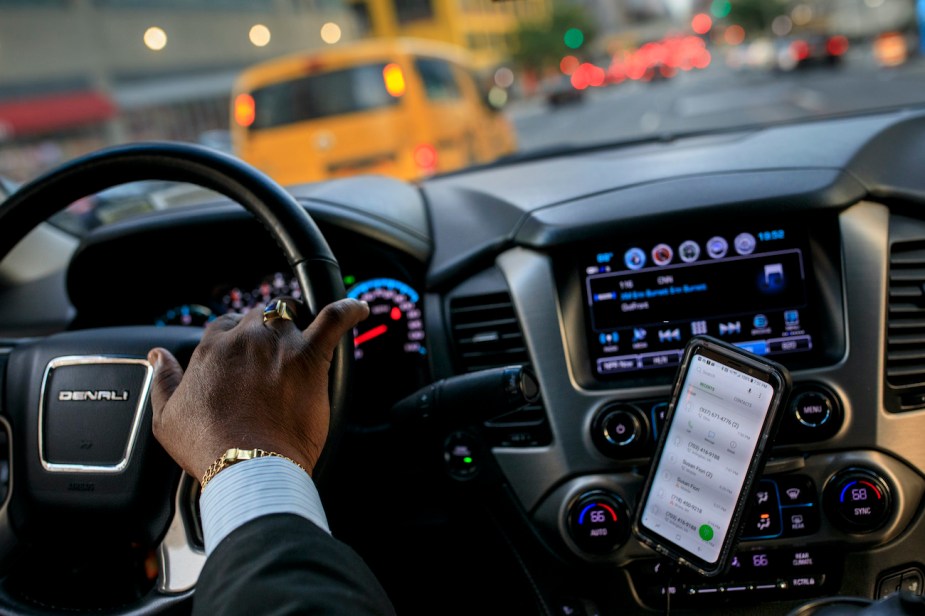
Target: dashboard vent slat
(905,353)
(486,334)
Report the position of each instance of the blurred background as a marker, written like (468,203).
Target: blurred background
(76,75)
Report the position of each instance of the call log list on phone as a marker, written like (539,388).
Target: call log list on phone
(707,454)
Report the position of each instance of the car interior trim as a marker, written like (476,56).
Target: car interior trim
(180,559)
(95,360)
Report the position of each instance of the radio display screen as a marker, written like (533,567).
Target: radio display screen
(646,299)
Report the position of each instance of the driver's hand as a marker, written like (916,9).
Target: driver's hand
(250,385)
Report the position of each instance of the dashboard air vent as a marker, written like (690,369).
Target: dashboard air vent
(486,332)
(905,361)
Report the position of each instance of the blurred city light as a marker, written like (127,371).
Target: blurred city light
(721,8)
(837,45)
(568,65)
(701,23)
(800,50)
(588,75)
(259,35)
(802,14)
(330,33)
(574,38)
(497,97)
(782,25)
(664,58)
(504,77)
(425,157)
(244,110)
(890,49)
(734,35)
(155,38)
(394,80)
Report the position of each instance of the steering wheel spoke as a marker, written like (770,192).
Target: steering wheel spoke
(181,554)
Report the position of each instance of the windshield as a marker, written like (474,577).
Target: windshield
(307,90)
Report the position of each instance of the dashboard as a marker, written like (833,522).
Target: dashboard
(802,242)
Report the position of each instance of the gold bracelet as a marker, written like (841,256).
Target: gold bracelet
(235,455)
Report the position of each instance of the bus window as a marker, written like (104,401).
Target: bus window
(438,78)
(350,90)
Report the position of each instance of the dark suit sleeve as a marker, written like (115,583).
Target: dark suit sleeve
(285,564)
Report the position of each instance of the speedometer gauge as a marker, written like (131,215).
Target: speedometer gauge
(389,346)
(394,325)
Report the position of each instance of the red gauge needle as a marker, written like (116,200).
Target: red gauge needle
(365,336)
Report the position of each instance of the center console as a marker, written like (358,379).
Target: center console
(626,308)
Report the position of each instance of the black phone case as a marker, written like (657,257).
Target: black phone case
(769,429)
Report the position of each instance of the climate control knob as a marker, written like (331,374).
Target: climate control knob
(858,500)
(598,522)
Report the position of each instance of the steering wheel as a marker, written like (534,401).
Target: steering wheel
(90,488)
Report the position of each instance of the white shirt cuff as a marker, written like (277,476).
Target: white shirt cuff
(255,488)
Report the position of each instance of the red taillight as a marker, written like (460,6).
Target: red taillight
(837,45)
(425,157)
(244,110)
(701,23)
(800,49)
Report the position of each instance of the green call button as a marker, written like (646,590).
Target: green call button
(706,532)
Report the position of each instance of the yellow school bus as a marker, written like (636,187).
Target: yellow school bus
(400,107)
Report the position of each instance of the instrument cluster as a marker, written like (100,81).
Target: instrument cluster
(390,345)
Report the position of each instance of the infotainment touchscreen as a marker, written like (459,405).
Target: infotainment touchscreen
(646,298)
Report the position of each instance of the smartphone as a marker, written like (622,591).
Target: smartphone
(723,412)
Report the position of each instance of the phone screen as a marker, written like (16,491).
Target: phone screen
(708,451)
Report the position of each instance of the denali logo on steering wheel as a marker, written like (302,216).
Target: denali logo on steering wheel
(109,395)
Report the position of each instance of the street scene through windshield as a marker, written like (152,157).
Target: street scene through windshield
(308,90)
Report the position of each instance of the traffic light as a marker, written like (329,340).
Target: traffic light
(574,38)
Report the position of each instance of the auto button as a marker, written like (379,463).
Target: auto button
(598,522)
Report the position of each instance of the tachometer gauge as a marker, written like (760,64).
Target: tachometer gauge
(275,285)
(394,325)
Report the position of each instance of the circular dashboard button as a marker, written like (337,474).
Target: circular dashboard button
(462,453)
(744,243)
(858,500)
(621,428)
(662,254)
(689,251)
(812,408)
(598,522)
(813,414)
(635,258)
(619,431)
(717,247)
